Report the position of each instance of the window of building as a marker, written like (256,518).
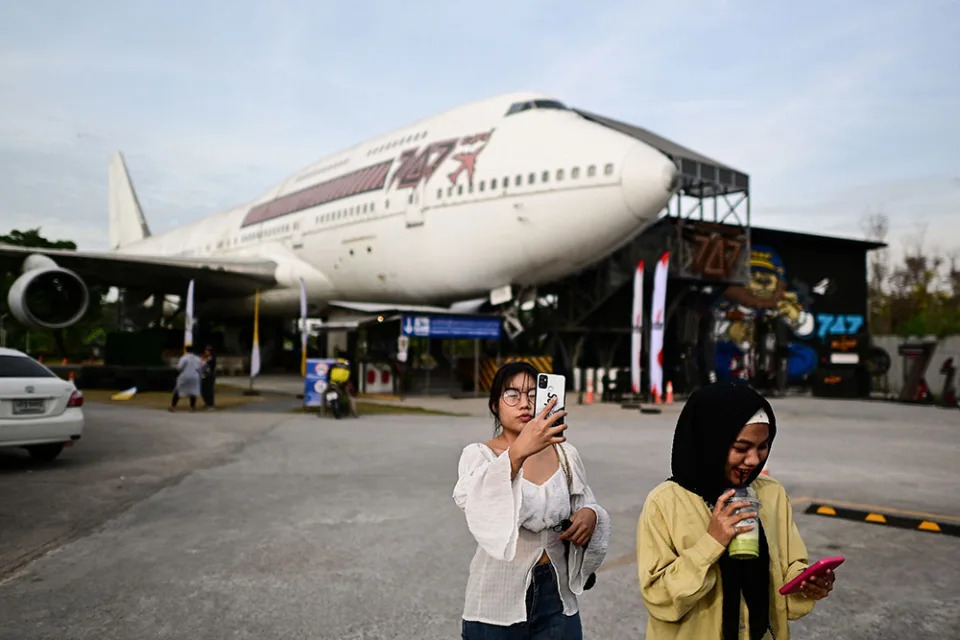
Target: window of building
(493,184)
(449,192)
(482,185)
(575,173)
(439,193)
(460,190)
(608,170)
(470,188)
(559,174)
(371,206)
(410,199)
(531,178)
(545,177)
(518,180)
(591,171)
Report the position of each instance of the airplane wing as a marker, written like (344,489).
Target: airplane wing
(158,274)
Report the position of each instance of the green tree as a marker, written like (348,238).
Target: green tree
(918,297)
(32,238)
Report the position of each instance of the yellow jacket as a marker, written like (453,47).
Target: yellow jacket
(678,570)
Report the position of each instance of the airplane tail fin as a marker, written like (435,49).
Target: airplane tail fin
(127,224)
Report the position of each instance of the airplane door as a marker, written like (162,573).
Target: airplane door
(415,206)
(296,240)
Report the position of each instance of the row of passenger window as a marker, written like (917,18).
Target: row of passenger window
(370,207)
(269,232)
(350,212)
(397,142)
(504,183)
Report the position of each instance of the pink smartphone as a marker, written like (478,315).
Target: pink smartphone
(817,568)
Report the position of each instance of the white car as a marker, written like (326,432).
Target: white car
(38,411)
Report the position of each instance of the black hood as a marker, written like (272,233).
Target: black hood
(709,423)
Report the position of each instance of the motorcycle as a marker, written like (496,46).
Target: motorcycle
(336,400)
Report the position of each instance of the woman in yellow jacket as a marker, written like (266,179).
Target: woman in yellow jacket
(690,585)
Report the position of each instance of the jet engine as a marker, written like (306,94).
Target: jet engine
(47,296)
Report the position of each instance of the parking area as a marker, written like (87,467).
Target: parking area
(252,525)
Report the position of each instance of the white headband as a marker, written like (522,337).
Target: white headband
(759,417)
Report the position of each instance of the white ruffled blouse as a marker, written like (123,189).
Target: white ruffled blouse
(512,522)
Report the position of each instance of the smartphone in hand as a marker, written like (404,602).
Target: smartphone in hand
(817,568)
(549,386)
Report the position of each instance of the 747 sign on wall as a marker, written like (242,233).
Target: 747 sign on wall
(831,324)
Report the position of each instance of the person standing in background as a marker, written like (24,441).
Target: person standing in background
(190,369)
(209,382)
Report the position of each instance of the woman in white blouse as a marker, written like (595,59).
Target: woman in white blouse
(516,491)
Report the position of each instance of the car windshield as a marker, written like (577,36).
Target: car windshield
(22,367)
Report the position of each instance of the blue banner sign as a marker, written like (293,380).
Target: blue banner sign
(450,327)
(317,380)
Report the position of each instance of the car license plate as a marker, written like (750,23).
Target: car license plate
(27,407)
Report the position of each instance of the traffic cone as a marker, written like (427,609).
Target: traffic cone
(656,397)
(669,392)
(71,376)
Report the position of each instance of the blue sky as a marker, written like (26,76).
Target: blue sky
(834,109)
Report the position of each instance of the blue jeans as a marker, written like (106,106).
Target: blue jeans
(545,619)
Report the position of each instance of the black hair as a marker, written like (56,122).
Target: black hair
(504,374)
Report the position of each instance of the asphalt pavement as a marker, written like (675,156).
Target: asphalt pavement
(266,525)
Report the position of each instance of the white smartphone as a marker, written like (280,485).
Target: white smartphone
(548,387)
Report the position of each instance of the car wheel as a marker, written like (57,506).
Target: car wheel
(45,452)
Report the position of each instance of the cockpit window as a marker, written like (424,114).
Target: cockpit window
(549,104)
(517,107)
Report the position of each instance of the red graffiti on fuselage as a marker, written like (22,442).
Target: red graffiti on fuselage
(418,166)
(415,167)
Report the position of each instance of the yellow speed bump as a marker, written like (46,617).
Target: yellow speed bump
(892,518)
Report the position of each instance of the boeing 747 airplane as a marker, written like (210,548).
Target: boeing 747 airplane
(517,190)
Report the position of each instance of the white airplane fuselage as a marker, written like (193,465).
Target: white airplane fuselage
(446,209)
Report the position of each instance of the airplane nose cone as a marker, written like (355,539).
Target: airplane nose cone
(648,179)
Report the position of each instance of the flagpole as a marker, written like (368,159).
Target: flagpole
(255,351)
(188,321)
(303,328)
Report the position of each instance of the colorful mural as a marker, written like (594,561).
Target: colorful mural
(768,318)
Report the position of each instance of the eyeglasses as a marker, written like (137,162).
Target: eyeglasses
(512,396)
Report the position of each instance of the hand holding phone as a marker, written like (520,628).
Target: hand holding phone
(819,575)
(544,429)
(551,386)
